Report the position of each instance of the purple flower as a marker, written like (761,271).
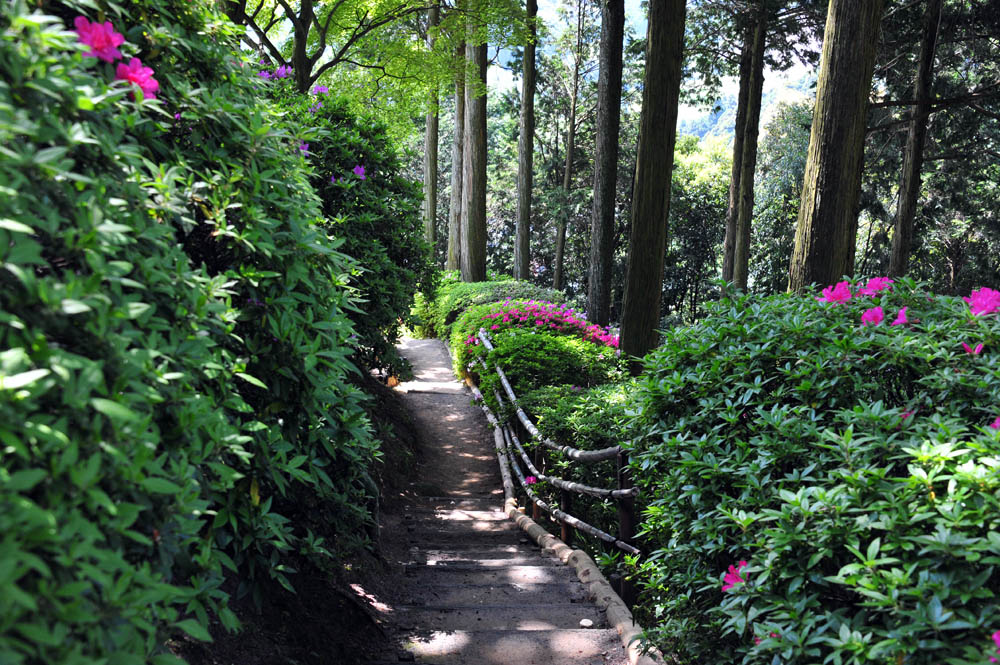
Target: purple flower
(359,171)
(304,148)
(320,89)
(266,75)
(283,71)
(177,116)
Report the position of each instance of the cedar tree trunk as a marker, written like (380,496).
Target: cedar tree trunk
(654,163)
(431,146)
(828,213)
(454,261)
(526,148)
(913,157)
(609,106)
(474,172)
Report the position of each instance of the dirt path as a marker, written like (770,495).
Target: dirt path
(471,588)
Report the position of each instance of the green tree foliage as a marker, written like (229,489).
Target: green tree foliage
(173,357)
(695,226)
(778,185)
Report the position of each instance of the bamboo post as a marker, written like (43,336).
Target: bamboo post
(536,512)
(626,522)
(565,531)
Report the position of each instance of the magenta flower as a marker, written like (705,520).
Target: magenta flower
(900,318)
(264,74)
(983,301)
(874,285)
(973,351)
(837,294)
(284,71)
(304,148)
(141,76)
(732,577)
(320,89)
(873,316)
(530,480)
(996,425)
(101,38)
(359,171)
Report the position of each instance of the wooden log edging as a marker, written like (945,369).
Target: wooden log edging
(598,587)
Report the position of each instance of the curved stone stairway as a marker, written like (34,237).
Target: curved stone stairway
(475,590)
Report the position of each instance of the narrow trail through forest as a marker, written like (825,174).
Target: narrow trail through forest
(472,588)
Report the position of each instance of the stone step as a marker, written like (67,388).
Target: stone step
(499,617)
(453,515)
(471,559)
(437,594)
(495,576)
(526,647)
(492,502)
(443,538)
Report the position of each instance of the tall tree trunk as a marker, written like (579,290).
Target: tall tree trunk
(913,157)
(474,175)
(300,58)
(454,261)
(557,278)
(732,211)
(526,147)
(748,160)
(609,106)
(431,144)
(654,164)
(831,187)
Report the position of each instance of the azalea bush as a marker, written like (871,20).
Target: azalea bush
(454,297)
(173,355)
(536,315)
(820,478)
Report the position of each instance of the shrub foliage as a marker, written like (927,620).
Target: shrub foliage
(174,350)
(852,467)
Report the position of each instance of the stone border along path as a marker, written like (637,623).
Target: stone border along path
(475,589)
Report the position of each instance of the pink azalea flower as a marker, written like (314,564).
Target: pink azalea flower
(135,73)
(973,351)
(732,577)
(900,318)
(836,294)
(874,285)
(530,480)
(996,425)
(101,38)
(983,301)
(873,316)
(359,171)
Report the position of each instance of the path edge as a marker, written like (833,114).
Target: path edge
(597,585)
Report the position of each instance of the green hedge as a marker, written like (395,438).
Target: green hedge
(174,341)
(854,468)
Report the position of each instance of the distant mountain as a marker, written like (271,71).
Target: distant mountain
(794,85)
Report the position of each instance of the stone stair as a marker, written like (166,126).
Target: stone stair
(476,591)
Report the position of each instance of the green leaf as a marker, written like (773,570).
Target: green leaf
(194,629)
(23,379)
(251,380)
(70,306)
(161,486)
(114,410)
(15,226)
(22,481)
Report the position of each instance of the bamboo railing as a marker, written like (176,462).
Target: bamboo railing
(512,456)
